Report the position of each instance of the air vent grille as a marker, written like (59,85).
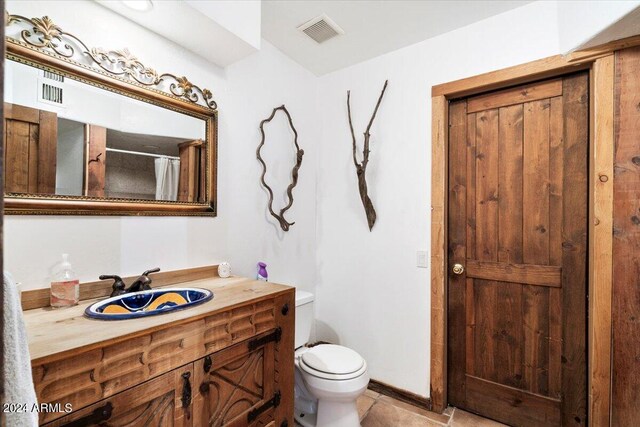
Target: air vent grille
(50,88)
(53,76)
(52,93)
(321,29)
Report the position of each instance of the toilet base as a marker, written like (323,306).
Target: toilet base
(338,414)
(305,419)
(331,414)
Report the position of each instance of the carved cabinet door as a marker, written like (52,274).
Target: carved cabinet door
(236,386)
(164,401)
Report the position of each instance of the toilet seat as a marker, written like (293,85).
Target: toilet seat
(332,362)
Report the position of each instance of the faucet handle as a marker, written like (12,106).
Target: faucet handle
(153,270)
(143,282)
(110,276)
(118,284)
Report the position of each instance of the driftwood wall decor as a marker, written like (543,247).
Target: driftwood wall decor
(361,168)
(294,172)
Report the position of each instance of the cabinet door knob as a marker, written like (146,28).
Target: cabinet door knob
(458,269)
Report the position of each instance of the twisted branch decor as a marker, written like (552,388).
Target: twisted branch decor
(284,224)
(361,168)
(44,35)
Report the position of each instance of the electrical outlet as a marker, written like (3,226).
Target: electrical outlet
(423,259)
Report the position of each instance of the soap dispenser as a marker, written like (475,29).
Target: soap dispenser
(65,287)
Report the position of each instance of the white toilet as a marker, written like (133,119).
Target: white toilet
(328,378)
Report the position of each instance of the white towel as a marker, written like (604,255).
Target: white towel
(18,382)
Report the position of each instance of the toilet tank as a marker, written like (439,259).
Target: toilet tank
(304,317)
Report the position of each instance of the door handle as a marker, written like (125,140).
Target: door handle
(97,417)
(186,390)
(458,269)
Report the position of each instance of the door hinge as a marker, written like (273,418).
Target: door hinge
(259,342)
(274,402)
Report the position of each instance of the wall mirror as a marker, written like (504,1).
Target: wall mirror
(94,131)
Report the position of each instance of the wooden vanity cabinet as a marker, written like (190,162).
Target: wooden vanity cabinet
(232,387)
(237,386)
(164,401)
(232,367)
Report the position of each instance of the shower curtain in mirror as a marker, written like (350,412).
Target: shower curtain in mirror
(167,175)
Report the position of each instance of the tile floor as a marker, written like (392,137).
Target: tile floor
(377,410)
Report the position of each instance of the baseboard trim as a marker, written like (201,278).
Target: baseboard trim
(400,394)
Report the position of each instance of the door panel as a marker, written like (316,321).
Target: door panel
(160,402)
(190,184)
(518,224)
(234,383)
(30,146)
(96,168)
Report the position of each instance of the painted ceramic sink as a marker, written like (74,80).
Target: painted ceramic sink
(147,303)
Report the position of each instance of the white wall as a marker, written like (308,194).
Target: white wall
(242,233)
(579,22)
(370,294)
(260,83)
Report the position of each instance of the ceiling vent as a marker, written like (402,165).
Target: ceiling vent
(321,28)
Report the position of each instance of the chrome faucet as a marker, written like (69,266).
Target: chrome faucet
(142,283)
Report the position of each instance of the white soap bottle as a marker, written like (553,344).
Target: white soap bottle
(65,287)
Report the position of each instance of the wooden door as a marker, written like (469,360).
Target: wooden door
(30,146)
(164,401)
(517,227)
(236,386)
(625,354)
(191,178)
(96,167)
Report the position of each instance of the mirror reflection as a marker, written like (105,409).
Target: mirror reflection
(67,138)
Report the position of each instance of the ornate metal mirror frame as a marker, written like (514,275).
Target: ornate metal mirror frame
(45,45)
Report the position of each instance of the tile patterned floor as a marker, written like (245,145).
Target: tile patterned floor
(377,410)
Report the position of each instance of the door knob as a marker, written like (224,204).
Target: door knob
(458,269)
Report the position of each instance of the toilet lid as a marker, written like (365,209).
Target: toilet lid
(333,359)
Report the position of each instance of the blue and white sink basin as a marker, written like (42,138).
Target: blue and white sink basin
(147,303)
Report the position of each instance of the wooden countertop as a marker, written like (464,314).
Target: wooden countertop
(54,333)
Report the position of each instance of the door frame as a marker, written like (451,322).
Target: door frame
(599,61)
